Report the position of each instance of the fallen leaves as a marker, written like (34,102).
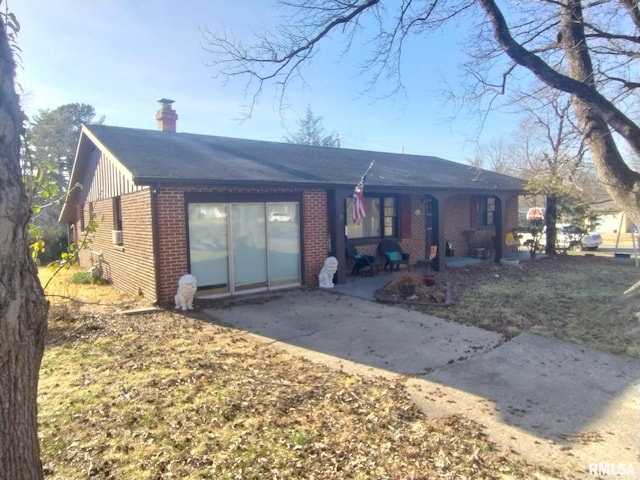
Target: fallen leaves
(574,298)
(162,395)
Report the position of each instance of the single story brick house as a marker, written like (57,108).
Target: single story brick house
(246,216)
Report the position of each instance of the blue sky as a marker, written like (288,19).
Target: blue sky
(121,56)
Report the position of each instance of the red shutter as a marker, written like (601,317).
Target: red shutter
(473,213)
(405,216)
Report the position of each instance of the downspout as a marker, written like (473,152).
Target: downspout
(154,239)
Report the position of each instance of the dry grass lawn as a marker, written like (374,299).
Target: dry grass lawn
(164,395)
(573,298)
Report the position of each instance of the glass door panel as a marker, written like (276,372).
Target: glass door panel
(283,239)
(208,245)
(248,238)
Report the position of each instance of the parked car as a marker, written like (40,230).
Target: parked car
(568,236)
(571,236)
(591,241)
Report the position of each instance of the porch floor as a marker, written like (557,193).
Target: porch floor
(364,286)
(521,255)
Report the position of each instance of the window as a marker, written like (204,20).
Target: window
(116,235)
(381,220)
(486,210)
(389,219)
(117,213)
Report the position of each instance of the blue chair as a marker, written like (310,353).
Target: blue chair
(393,254)
(360,261)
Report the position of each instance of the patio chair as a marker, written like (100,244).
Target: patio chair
(393,254)
(474,248)
(360,261)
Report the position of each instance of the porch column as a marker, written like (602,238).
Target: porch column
(336,208)
(439,263)
(501,217)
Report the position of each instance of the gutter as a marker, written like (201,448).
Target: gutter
(418,189)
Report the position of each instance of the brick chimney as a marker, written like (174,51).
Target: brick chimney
(166,116)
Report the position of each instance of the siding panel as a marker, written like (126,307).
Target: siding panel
(104,179)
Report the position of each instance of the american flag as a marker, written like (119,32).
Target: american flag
(359,209)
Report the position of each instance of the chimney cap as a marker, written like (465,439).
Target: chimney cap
(166,101)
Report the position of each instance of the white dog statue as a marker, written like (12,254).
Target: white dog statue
(187,286)
(325,277)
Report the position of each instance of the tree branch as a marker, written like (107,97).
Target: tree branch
(633,8)
(587,93)
(285,62)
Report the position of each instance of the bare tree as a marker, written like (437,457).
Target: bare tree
(547,150)
(588,51)
(552,166)
(556,146)
(496,156)
(23,309)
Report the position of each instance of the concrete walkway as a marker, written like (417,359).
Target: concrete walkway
(362,331)
(533,389)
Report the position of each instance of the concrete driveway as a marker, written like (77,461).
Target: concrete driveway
(365,332)
(540,388)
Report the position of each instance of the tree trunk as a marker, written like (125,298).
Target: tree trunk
(619,180)
(550,219)
(23,309)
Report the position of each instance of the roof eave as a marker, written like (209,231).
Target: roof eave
(182,182)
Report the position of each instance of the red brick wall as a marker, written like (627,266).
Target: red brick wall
(511,209)
(316,234)
(457,219)
(172,241)
(129,267)
(415,246)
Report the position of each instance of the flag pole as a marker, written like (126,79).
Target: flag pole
(359,210)
(364,177)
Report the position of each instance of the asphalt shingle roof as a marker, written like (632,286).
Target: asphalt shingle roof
(158,157)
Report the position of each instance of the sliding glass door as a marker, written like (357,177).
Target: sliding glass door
(208,245)
(249,246)
(237,247)
(283,238)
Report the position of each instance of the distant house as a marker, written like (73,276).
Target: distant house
(245,215)
(611,219)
